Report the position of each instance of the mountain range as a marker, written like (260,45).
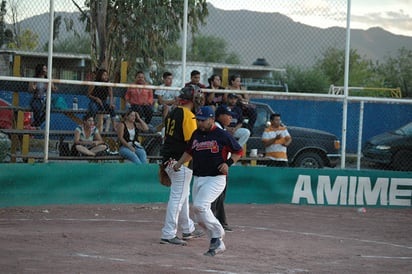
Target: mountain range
(273,36)
(282,41)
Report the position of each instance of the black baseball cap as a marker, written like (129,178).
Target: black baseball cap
(223,109)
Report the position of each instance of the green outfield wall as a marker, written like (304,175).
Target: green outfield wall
(87,183)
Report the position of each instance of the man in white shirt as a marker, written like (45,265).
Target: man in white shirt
(276,139)
(166,98)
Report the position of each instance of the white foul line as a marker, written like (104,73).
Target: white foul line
(386,257)
(99,257)
(329,236)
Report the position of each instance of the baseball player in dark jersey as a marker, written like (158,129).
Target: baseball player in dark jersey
(209,147)
(179,126)
(223,118)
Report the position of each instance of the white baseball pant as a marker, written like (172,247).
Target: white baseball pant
(205,190)
(177,212)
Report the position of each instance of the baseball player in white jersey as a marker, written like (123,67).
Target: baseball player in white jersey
(179,126)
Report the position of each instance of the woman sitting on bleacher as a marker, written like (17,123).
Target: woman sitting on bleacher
(127,133)
(87,139)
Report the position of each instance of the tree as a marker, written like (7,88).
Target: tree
(2,24)
(309,80)
(56,27)
(8,36)
(26,41)
(361,72)
(397,71)
(211,49)
(15,37)
(74,44)
(16,31)
(204,48)
(136,30)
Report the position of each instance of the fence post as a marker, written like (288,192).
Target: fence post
(123,79)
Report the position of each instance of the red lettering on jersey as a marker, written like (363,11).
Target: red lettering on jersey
(206,145)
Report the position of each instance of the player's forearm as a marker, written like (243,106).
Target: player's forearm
(185,158)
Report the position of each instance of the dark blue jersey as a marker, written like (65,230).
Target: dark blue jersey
(237,116)
(210,149)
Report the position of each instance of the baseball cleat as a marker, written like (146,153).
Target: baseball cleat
(195,234)
(217,247)
(173,241)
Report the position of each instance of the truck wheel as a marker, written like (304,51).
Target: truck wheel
(309,160)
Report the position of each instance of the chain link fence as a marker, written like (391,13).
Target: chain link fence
(288,54)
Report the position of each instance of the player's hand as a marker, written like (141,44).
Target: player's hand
(223,168)
(231,130)
(176,166)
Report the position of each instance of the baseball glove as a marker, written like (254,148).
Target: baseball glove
(163,177)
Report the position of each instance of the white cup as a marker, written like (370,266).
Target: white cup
(253,152)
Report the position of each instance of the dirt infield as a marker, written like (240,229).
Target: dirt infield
(266,239)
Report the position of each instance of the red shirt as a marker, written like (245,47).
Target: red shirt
(139,96)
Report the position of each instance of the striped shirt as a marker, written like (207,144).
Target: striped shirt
(276,151)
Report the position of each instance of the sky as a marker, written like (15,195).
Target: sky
(392,15)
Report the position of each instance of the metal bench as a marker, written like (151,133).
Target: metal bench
(23,136)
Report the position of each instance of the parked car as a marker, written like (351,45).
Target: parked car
(392,149)
(310,148)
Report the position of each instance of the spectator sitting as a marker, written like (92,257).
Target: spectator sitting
(127,133)
(240,133)
(199,99)
(87,139)
(248,109)
(195,79)
(215,99)
(167,98)
(140,99)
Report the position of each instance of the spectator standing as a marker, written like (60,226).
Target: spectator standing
(208,147)
(53,87)
(180,124)
(128,133)
(167,99)
(248,109)
(140,99)
(276,138)
(38,100)
(215,99)
(236,128)
(98,100)
(87,139)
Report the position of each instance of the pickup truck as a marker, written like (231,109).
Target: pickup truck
(310,148)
